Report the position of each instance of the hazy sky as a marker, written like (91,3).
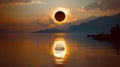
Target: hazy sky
(31,15)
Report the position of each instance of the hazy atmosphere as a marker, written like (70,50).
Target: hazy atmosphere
(34,15)
(59,33)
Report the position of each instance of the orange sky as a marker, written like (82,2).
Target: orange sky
(36,14)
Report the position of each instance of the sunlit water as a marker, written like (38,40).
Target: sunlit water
(55,50)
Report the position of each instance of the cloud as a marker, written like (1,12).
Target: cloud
(104,5)
(27,27)
(14,1)
(39,23)
(19,2)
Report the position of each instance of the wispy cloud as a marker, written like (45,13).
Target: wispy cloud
(99,8)
(104,5)
(14,1)
(19,2)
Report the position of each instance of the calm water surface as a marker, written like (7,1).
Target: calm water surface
(55,50)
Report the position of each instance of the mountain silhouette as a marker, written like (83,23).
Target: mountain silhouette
(99,25)
(53,30)
(95,26)
(2,31)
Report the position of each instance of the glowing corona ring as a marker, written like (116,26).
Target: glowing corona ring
(60,9)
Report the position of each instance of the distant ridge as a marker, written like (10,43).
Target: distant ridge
(2,31)
(50,31)
(98,25)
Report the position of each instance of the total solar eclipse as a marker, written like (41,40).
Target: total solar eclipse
(59,16)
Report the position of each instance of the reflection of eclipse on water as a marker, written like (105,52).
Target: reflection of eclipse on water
(59,48)
(59,51)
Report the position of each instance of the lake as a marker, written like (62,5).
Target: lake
(55,50)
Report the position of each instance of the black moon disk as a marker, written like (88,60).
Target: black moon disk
(59,16)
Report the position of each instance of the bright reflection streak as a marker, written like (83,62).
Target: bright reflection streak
(59,50)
